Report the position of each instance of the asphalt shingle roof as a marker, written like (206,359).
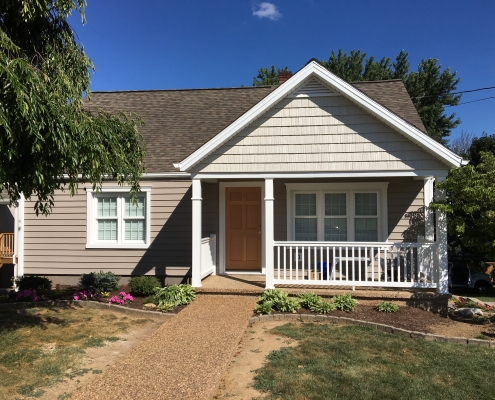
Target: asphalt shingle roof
(178,122)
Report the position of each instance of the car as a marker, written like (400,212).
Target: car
(462,277)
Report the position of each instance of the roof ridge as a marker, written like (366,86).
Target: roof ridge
(179,90)
(383,80)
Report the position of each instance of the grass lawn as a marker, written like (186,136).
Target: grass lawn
(360,363)
(41,346)
(489,297)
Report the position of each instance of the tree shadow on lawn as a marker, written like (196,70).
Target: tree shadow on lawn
(24,317)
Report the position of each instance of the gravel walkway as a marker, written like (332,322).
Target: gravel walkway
(184,359)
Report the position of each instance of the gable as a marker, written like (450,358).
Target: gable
(315,129)
(374,109)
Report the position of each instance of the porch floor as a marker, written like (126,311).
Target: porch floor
(255,285)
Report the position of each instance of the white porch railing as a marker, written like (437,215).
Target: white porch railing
(208,255)
(7,241)
(379,264)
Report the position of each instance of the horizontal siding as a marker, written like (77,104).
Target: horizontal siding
(57,244)
(317,134)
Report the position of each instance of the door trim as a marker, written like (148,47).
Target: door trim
(221,227)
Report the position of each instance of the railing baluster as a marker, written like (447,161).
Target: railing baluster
(315,265)
(278,262)
(290,263)
(285,262)
(412,261)
(333,263)
(328,263)
(359,263)
(302,260)
(297,263)
(321,263)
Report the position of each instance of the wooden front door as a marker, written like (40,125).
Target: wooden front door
(243,228)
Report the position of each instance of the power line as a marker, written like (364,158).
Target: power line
(464,91)
(472,101)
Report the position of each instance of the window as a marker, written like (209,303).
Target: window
(338,212)
(113,221)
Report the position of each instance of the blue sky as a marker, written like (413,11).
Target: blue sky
(215,43)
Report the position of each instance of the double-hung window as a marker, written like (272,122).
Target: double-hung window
(337,212)
(114,221)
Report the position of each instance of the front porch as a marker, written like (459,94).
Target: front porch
(322,265)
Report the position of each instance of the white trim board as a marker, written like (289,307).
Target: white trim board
(221,224)
(335,84)
(309,175)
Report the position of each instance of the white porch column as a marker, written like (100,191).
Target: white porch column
(441,243)
(196,232)
(268,228)
(429,216)
(19,238)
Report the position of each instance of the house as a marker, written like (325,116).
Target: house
(313,182)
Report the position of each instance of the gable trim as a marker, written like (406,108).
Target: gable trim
(314,69)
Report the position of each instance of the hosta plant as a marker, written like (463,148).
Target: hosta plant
(276,299)
(315,303)
(387,307)
(173,296)
(344,302)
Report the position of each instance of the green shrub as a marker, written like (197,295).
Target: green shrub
(39,283)
(387,307)
(276,299)
(344,302)
(144,285)
(175,295)
(98,282)
(315,303)
(264,308)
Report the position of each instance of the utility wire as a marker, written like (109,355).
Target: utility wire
(464,91)
(472,101)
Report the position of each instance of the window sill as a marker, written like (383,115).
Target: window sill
(129,246)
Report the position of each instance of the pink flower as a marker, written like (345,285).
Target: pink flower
(76,297)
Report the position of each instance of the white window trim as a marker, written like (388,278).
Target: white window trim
(351,189)
(91,203)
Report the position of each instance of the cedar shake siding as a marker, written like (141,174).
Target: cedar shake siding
(327,133)
(56,245)
(178,122)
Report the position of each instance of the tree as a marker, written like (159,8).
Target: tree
(470,206)
(462,143)
(484,143)
(267,77)
(47,139)
(429,87)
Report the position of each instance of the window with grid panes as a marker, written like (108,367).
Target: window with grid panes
(306,219)
(114,221)
(343,216)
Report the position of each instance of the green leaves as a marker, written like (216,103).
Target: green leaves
(470,205)
(267,77)
(47,138)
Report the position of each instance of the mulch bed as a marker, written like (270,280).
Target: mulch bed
(68,294)
(410,318)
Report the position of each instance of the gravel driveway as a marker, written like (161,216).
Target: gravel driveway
(184,359)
